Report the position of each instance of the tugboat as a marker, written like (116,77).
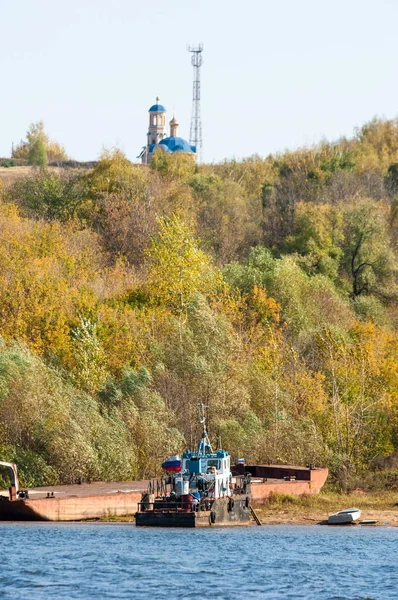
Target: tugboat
(198,490)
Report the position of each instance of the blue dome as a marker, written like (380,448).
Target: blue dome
(157,108)
(176,144)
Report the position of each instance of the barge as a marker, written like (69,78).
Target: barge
(245,485)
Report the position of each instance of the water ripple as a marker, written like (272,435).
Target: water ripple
(117,561)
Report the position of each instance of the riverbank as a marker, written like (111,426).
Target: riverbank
(283,509)
(310,510)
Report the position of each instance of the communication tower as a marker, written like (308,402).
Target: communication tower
(195,134)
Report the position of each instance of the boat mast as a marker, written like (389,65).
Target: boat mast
(204,442)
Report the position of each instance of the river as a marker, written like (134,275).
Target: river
(100,561)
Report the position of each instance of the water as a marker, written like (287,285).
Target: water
(101,561)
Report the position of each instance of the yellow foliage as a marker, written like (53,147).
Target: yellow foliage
(125,334)
(228,302)
(178,269)
(113,172)
(173,332)
(177,166)
(48,277)
(376,145)
(252,172)
(265,309)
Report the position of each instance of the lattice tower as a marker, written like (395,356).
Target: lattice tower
(195,134)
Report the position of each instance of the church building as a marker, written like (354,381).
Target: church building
(157,140)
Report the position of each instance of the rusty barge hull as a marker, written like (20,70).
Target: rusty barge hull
(119,499)
(74,502)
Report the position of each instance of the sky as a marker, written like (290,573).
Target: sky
(275,75)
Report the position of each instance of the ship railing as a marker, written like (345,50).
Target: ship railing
(160,504)
(159,487)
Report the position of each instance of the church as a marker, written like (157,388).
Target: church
(157,140)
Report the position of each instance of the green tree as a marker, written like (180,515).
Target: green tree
(47,194)
(38,153)
(317,236)
(38,149)
(258,269)
(358,403)
(226,218)
(369,260)
(90,371)
(113,173)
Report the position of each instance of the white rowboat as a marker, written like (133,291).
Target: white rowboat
(344,517)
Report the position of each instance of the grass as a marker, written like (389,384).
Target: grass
(114,519)
(8,175)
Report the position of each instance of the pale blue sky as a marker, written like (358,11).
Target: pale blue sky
(276,75)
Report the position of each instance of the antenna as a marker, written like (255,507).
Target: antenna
(195,134)
(204,442)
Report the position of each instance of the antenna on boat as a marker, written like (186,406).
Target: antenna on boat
(204,443)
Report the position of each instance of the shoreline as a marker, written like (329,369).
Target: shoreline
(277,509)
(299,513)
(267,517)
(383,518)
(381,507)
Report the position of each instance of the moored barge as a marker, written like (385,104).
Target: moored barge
(200,490)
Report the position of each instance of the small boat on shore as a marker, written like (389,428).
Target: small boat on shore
(345,517)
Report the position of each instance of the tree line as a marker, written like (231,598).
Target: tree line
(265,288)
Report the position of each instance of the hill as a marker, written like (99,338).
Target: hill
(265,288)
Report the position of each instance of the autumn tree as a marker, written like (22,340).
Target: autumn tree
(120,202)
(115,321)
(376,144)
(38,149)
(89,371)
(112,173)
(316,237)
(38,153)
(178,268)
(226,220)
(177,165)
(359,405)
